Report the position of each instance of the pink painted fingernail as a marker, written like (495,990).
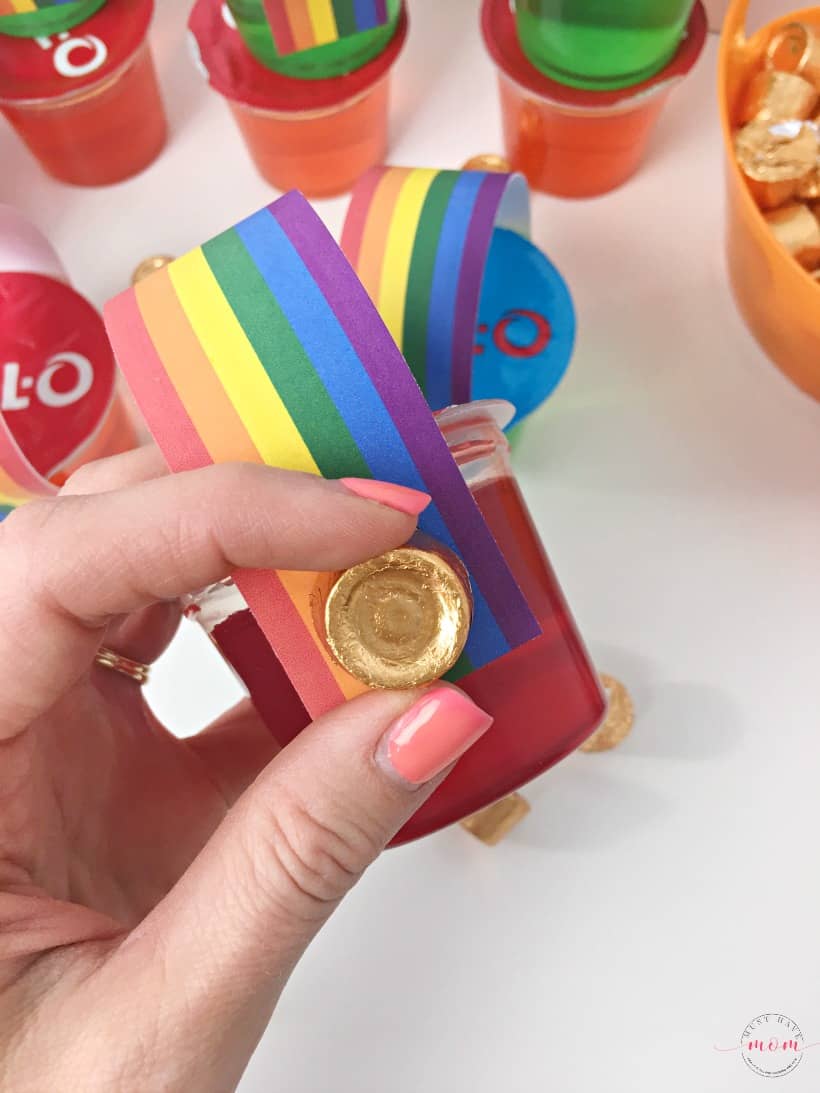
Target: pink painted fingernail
(433,733)
(401,498)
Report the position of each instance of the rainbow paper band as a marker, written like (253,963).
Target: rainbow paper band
(262,345)
(22,7)
(33,18)
(303,24)
(419,241)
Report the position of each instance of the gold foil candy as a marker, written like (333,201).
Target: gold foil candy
(494,823)
(808,188)
(150,265)
(776,158)
(620,715)
(488,161)
(796,49)
(777,96)
(798,229)
(398,620)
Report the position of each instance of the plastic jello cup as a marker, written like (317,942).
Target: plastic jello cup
(601,46)
(317,136)
(779,300)
(86,102)
(575,143)
(545,696)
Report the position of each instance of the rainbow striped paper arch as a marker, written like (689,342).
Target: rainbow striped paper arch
(419,239)
(297,25)
(262,345)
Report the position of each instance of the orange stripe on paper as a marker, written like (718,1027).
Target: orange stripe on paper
(376,230)
(191,373)
(301,24)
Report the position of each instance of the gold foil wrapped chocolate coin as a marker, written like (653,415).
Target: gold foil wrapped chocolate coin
(150,265)
(620,716)
(798,229)
(489,161)
(777,96)
(496,821)
(796,49)
(809,187)
(776,158)
(398,620)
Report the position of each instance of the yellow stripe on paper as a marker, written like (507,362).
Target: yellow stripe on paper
(324,21)
(398,249)
(241,373)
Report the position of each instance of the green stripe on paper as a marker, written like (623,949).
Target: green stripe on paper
(420,274)
(283,357)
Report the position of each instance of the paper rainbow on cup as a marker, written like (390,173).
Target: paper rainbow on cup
(262,345)
(303,24)
(476,308)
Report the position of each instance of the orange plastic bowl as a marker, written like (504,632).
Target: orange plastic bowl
(778,299)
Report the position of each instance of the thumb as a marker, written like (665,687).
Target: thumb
(228,935)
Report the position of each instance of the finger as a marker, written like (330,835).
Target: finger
(116,471)
(71,565)
(235,925)
(146,634)
(234,749)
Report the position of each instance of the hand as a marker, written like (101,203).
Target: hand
(156,893)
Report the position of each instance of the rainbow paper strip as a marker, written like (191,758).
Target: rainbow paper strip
(22,7)
(419,241)
(303,24)
(262,345)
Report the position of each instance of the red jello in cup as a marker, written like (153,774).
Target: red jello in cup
(570,142)
(86,101)
(317,136)
(545,696)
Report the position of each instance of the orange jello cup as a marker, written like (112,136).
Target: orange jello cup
(320,152)
(86,101)
(317,136)
(779,300)
(100,134)
(575,143)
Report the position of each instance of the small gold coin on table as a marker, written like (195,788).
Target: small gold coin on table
(618,721)
(150,265)
(494,823)
(487,162)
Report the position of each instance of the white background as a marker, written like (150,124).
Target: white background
(661,896)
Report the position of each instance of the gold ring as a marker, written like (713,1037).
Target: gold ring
(134,669)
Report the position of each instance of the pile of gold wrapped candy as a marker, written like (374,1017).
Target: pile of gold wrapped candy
(778,144)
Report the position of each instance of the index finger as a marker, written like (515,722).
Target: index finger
(68,566)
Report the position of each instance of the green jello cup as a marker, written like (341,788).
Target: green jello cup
(333,59)
(601,44)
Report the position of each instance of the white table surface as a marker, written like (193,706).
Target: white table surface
(660,896)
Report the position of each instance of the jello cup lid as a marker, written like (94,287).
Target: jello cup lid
(37,69)
(24,248)
(233,71)
(501,39)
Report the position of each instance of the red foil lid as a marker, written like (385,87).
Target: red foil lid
(50,67)
(233,71)
(501,39)
(57,370)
